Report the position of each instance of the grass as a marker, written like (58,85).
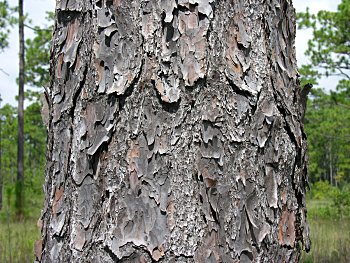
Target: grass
(17,237)
(330,238)
(17,241)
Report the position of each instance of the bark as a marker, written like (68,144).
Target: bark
(20,140)
(174,134)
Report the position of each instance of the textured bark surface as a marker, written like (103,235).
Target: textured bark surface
(174,133)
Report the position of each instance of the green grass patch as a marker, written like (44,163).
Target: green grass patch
(330,241)
(17,241)
(17,237)
(330,231)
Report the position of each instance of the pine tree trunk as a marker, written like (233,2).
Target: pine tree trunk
(174,134)
(20,140)
(1,166)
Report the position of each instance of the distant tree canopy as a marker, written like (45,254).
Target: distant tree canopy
(35,141)
(327,120)
(329,49)
(38,54)
(37,58)
(5,21)
(327,125)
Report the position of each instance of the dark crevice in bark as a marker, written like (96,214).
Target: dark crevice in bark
(209,31)
(201,178)
(169,31)
(213,213)
(284,112)
(95,159)
(107,39)
(78,93)
(142,252)
(237,90)
(99,3)
(130,90)
(296,188)
(201,17)
(181,8)
(66,16)
(248,254)
(246,51)
(71,114)
(297,163)
(255,106)
(99,220)
(184,257)
(111,254)
(212,191)
(58,237)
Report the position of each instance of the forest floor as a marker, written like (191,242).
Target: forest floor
(17,237)
(17,241)
(330,238)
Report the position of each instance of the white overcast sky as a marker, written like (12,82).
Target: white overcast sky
(36,10)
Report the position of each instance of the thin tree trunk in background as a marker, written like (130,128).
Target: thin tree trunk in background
(175,134)
(1,168)
(330,163)
(20,142)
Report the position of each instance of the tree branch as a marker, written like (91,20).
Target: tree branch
(3,71)
(36,29)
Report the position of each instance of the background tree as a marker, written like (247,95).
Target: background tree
(327,120)
(8,139)
(15,236)
(327,125)
(1,150)
(329,49)
(20,137)
(36,75)
(5,22)
(174,134)
(37,55)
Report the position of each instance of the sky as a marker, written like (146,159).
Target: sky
(36,9)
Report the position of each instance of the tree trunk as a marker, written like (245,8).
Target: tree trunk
(174,134)
(1,167)
(20,140)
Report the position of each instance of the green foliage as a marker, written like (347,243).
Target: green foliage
(8,119)
(328,202)
(308,75)
(327,125)
(329,48)
(6,20)
(35,145)
(341,203)
(321,190)
(17,237)
(327,120)
(38,55)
